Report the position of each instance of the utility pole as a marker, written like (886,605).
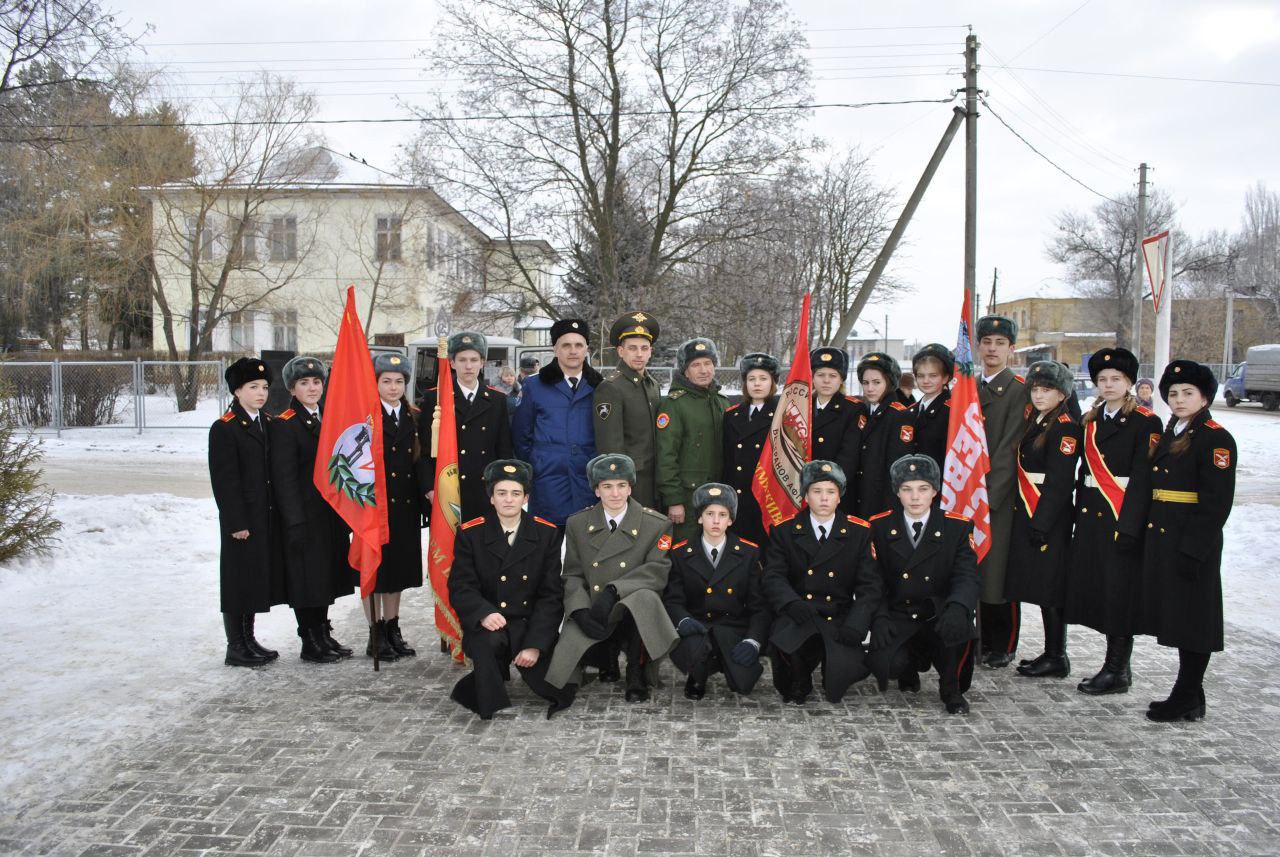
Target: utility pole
(886,334)
(1229,333)
(995,282)
(970,163)
(1136,328)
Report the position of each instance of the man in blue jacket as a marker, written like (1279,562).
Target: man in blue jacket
(554,429)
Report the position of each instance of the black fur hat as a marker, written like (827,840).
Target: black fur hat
(570,325)
(910,467)
(712,493)
(820,471)
(1189,372)
(507,470)
(1114,358)
(827,357)
(938,352)
(244,370)
(883,362)
(1051,374)
(760,360)
(998,325)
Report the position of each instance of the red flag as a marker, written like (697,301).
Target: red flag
(964,480)
(349,471)
(446,507)
(776,484)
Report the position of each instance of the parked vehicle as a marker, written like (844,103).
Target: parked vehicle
(1257,379)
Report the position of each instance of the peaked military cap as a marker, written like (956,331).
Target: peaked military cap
(635,323)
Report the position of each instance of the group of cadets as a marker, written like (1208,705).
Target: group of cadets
(604,521)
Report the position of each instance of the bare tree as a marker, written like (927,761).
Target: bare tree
(1257,268)
(581,100)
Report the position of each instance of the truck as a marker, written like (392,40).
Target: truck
(1257,379)
(503,350)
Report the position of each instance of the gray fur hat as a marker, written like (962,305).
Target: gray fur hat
(910,467)
(1051,374)
(695,348)
(998,325)
(468,339)
(611,465)
(507,470)
(391,363)
(886,364)
(301,367)
(819,471)
(712,493)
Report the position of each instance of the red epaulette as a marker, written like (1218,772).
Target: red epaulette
(748,542)
(1145,411)
(857,400)
(472,523)
(1212,424)
(1020,378)
(227,417)
(680,544)
(496,390)
(545,522)
(1064,418)
(877,516)
(898,406)
(288,415)
(854,519)
(946,402)
(953,516)
(733,407)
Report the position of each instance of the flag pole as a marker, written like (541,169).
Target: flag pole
(377,642)
(442,347)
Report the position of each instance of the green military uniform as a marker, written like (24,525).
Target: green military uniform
(626,405)
(690,427)
(1004,401)
(634,559)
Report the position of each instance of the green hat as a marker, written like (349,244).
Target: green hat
(1051,374)
(391,363)
(886,364)
(634,323)
(611,465)
(465,340)
(998,325)
(507,470)
(693,350)
(910,467)
(301,367)
(713,493)
(822,471)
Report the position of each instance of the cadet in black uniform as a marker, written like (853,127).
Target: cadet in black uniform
(484,426)
(823,585)
(888,432)
(505,586)
(931,587)
(837,420)
(251,567)
(715,600)
(746,427)
(1182,504)
(933,367)
(315,561)
(1102,584)
(1041,534)
(401,566)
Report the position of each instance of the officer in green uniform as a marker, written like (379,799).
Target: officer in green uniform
(626,402)
(690,427)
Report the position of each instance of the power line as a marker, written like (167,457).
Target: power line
(1171,78)
(868,29)
(1043,35)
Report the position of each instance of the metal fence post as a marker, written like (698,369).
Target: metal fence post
(222,387)
(138,393)
(56,383)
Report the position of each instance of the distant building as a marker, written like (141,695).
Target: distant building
(858,347)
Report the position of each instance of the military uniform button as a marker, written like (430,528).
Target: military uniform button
(831,574)
(829,618)
(595,565)
(809,596)
(810,572)
(393,474)
(739,466)
(739,490)
(1162,529)
(463,476)
(622,565)
(1155,470)
(710,590)
(708,615)
(926,579)
(1150,526)
(757,446)
(503,578)
(739,446)
(729,590)
(502,604)
(914,615)
(596,588)
(821,439)
(828,597)
(524,577)
(525,603)
(393,449)
(906,576)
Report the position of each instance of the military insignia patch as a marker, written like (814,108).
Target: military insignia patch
(862,421)
(1155,439)
(907,433)
(603,410)
(1222,458)
(1068,446)
(664,542)
(663,421)
(1026,412)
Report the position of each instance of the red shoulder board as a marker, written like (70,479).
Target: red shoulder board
(946,403)
(898,406)
(1020,378)
(473,522)
(953,516)
(1212,424)
(748,542)
(857,400)
(733,407)
(880,515)
(854,519)
(1147,412)
(228,417)
(680,544)
(496,390)
(545,522)
(287,415)
(1064,418)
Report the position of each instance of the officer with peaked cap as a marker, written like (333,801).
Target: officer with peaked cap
(626,402)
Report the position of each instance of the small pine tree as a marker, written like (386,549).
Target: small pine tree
(27,525)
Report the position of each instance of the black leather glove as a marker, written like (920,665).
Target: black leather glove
(690,626)
(1188,566)
(848,636)
(801,612)
(1126,543)
(882,633)
(1038,538)
(297,539)
(602,605)
(954,625)
(589,626)
(745,653)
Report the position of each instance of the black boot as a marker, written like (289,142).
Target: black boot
(238,652)
(254,646)
(1114,677)
(385,652)
(402,648)
(694,688)
(314,649)
(1186,700)
(563,700)
(1054,662)
(956,703)
(637,683)
(909,681)
(326,633)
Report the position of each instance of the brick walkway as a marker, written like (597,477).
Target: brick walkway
(309,760)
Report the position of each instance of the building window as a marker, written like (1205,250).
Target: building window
(284,239)
(201,248)
(387,239)
(284,329)
(248,240)
(241,327)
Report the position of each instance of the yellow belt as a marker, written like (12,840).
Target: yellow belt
(1163,496)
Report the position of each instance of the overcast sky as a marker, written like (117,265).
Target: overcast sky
(1206,142)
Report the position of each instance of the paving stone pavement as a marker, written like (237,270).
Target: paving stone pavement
(335,760)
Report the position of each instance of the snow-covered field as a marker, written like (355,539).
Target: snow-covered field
(119,630)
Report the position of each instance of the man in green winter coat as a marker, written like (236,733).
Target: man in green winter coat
(690,424)
(626,402)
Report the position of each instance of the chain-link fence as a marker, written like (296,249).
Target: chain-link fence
(138,394)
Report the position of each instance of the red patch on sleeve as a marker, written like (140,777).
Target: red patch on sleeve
(862,421)
(1064,418)
(664,420)
(1026,412)
(1222,458)
(664,542)
(1068,446)
(907,433)
(1155,439)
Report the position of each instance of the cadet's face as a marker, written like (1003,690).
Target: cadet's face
(252,396)
(700,372)
(1113,386)
(995,352)
(757,385)
(873,385)
(390,387)
(635,351)
(826,382)
(571,352)
(308,391)
(1186,400)
(916,496)
(823,498)
(508,498)
(613,493)
(715,521)
(1045,399)
(930,378)
(468,365)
